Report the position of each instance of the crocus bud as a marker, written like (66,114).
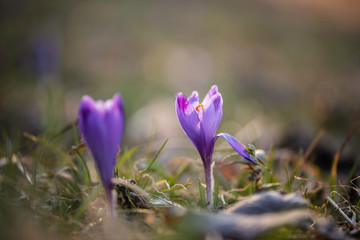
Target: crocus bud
(101,124)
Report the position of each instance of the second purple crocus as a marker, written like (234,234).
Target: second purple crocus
(101,124)
(200,122)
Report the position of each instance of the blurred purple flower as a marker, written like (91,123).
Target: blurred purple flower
(200,122)
(47,56)
(101,124)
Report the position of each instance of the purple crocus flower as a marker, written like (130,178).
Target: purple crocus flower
(101,124)
(200,122)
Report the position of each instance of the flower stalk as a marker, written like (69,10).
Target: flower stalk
(209,181)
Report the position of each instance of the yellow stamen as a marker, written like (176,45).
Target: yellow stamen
(197,107)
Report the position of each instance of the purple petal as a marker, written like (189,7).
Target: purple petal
(117,109)
(114,123)
(94,132)
(213,90)
(87,106)
(237,146)
(118,102)
(190,122)
(211,116)
(194,99)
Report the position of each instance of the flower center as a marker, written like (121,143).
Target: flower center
(197,107)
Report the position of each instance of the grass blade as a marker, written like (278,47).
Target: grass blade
(216,192)
(152,162)
(83,162)
(87,202)
(52,147)
(126,156)
(202,195)
(337,155)
(288,180)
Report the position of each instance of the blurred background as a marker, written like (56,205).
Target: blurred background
(286,69)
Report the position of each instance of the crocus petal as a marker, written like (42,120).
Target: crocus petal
(87,106)
(116,121)
(194,98)
(237,146)
(190,122)
(118,102)
(94,132)
(211,117)
(213,90)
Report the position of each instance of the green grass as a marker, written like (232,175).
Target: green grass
(56,187)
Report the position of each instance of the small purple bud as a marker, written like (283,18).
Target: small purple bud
(101,124)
